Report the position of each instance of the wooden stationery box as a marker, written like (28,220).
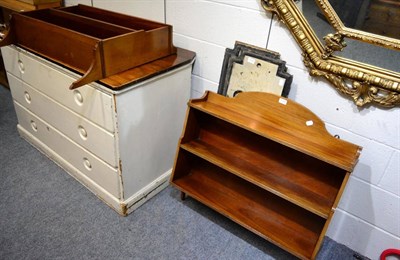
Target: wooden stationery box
(95,42)
(267,163)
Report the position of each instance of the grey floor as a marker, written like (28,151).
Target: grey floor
(46,214)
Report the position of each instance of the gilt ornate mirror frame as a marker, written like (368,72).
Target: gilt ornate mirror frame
(366,84)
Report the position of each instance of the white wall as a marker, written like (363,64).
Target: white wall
(368,217)
(149,9)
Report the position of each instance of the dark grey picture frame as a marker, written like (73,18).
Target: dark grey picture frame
(237,54)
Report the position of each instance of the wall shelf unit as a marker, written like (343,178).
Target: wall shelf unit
(267,163)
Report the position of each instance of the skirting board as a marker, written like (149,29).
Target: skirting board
(147,192)
(122,207)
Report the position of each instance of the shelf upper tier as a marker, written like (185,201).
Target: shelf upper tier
(281,120)
(92,41)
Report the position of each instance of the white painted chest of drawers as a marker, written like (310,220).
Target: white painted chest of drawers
(119,144)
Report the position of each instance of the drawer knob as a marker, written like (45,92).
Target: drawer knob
(21,66)
(27,97)
(82,132)
(87,164)
(78,97)
(34,126)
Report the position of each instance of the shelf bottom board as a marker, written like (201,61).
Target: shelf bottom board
(278,221)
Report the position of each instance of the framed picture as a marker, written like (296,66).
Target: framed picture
(250,68)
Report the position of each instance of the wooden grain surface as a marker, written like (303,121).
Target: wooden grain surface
(304,180)
(308,185)
(98,46)
(115,18)
(20,6)
(38,2)
(278,221)
(328,221)
(267,163)
(60,46)
(264,114)
(149,70)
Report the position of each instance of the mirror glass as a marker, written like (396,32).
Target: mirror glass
(375,16)
(362,16)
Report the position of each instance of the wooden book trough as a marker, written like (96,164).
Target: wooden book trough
(91,41)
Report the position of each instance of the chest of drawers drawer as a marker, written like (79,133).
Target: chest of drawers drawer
(85,162)
(82,131)
(86,101)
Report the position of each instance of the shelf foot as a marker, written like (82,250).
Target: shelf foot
(183,195)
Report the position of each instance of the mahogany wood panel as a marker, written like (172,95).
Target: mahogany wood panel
(149,70)
(80,24)
(60,45)
(113,17)
(151,41)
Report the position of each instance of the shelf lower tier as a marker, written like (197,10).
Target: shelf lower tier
(273,218)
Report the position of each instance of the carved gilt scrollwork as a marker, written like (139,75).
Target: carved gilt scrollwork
(333,42)
(361,92)
(364,83)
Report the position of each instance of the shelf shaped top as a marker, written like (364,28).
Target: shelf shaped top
(281,120)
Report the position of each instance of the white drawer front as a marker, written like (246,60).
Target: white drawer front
(92,137)
(82,160)
(11,64)
(87,101)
